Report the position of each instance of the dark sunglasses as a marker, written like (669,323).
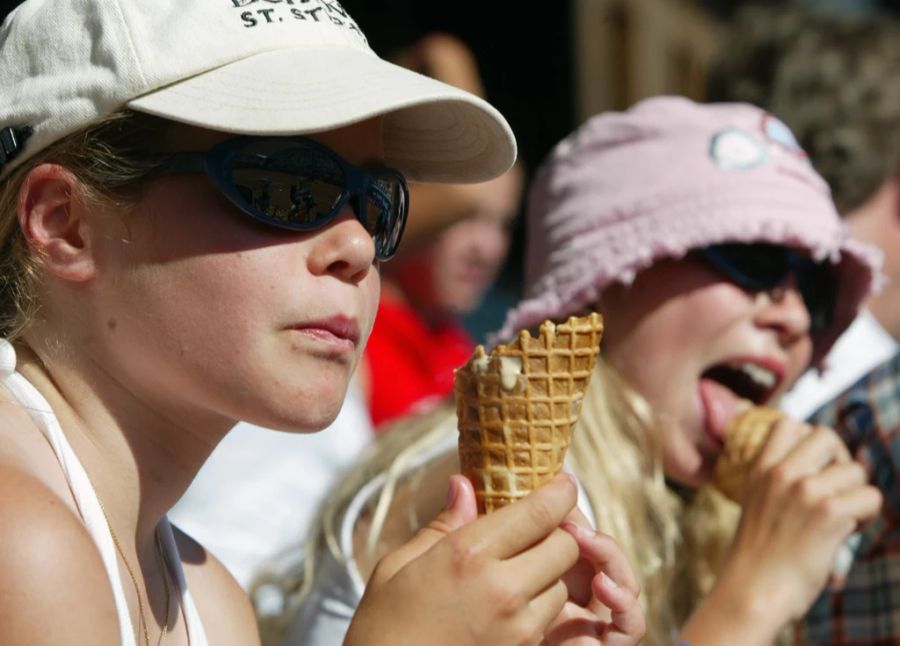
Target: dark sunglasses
(761,267)
(298,184)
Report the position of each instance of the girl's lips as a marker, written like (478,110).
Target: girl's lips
(337,331)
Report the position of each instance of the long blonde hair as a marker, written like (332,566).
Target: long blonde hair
(675,542)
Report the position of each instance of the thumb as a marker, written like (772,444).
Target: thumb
(461,509)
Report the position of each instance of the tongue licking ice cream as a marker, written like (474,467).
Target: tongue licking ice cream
(744,437)
(517,405)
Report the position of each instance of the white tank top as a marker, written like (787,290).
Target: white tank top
(89,505)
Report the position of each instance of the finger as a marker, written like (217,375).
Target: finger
(626,614)
(543,563)
(514,528)
(843,452)
(602,551)
(861,504)
(814,452)
(784,436)
(837,478)
(461,510)
(574,625)
(577,516)
(578,579)
(547,605)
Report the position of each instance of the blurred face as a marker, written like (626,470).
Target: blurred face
(876,223)
(451,274)
(694,344)
(208,313)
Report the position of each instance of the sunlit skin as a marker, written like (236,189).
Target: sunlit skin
(207,315)
(677,320)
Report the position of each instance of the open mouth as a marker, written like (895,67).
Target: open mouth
(745,379)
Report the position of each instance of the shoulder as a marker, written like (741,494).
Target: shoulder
(223,605)
(17,431)
(54,588)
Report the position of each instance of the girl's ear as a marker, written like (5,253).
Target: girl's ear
(51,211)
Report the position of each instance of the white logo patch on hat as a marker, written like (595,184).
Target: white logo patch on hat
(735,149)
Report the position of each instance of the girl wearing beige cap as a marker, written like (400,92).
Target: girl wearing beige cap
(194,198)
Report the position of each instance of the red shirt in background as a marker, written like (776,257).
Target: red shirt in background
(410,363)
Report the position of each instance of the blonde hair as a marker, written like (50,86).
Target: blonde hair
(675,539)
(107,158)
(676,542)
(393,458)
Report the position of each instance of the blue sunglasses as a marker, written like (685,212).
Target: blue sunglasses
(298,184)
(762,267)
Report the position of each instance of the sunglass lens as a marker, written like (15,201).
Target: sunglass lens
(817,286)
(756,266)
(301,185)
(386,209)
(764,266)
(295,187)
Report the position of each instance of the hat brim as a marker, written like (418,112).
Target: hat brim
(586,263)
(432,131)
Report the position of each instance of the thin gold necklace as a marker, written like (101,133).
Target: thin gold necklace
(161,560)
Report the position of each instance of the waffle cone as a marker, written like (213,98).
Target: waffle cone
(517,405)
(744,438)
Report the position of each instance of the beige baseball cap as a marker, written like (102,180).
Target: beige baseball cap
(276,67)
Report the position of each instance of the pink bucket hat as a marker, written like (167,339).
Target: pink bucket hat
(665,177)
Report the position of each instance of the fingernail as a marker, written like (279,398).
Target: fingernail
(572,479)
(573,528)
(609,583)
(452,492)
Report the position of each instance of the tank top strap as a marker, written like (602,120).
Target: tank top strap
(79,484)
(196,634)
(88,503)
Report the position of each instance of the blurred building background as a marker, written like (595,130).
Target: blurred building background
(547,66)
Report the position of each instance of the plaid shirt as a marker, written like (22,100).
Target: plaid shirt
(864,608)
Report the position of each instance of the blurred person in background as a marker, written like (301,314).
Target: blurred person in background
(835,81)
(444,273)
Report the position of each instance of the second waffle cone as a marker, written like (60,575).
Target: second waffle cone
(744,438)
(517,405)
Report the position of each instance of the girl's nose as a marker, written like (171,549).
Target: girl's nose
(783,310)
(343,248)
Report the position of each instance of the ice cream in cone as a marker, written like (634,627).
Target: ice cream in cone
(744,437)
(517,405)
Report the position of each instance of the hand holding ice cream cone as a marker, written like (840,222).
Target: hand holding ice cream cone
(801,495)
(503,578)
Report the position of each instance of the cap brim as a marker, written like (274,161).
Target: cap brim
(432,131)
